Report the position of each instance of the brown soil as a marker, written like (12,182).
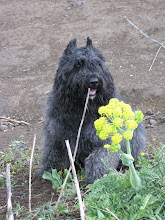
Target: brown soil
(33,36)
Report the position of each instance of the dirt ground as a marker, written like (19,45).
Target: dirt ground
(33,35)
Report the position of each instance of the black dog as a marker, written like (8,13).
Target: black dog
(80,69)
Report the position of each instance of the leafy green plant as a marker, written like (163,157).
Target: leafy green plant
(56,177)
(113,192)
(18,156)
(118,121)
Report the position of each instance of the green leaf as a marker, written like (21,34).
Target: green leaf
(56,177)
(127,159)
(100,215)
(146,199)
(69,177)
(56,183)
(47,176)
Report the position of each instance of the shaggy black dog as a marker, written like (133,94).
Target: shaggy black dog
(80,69)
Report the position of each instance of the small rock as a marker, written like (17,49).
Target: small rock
(149,112)
(153,122)
(27,70)
(147,117)
(162,120)
(41,118)
(48,14)
(5,123)
(77,3)
(3,127)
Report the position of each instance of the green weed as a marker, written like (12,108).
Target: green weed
(113,192)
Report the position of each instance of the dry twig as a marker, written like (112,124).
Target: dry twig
(145,35)
(14,121)
(75,151)
(155,56)
(82,213)
(9,204)
(112,214)
(30,172)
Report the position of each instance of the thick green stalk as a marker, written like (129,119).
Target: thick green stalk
(134,178)
(128,147)
(127,160)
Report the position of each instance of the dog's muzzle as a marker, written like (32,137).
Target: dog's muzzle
(93,85)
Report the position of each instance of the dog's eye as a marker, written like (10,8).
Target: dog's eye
(100,65)
(78,64)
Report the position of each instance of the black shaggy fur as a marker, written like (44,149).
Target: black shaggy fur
(80,69)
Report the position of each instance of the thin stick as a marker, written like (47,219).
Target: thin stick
(81,124)
(108,211)
(145,35)
(30,172)
(75,151)
(9,204)
(112,214)
(155,56)
(13,120)
(82,213)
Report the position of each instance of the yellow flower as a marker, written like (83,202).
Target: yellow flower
(131,124)
(99,123)
(118,122)
(117,112)
(107,146)
(103,135)
(142,154)
(153,139)
(102,110)
(158,148)
(128,114)
(60,173)
(109,112)
(114,147)
(2,155)
(128,134)
(109,129)
(125,107)
(9,148)
(13,172)
(116,139)
(114,101)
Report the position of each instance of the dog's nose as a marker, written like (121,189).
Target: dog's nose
(93,82)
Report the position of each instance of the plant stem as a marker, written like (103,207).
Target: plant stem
(136,179)
(120,131)
(128,147)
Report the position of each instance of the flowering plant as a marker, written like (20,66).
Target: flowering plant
(118,121)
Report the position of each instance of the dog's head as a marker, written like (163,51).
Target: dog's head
(83,68)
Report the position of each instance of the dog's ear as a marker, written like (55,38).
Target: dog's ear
(71,46)
(89,42)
